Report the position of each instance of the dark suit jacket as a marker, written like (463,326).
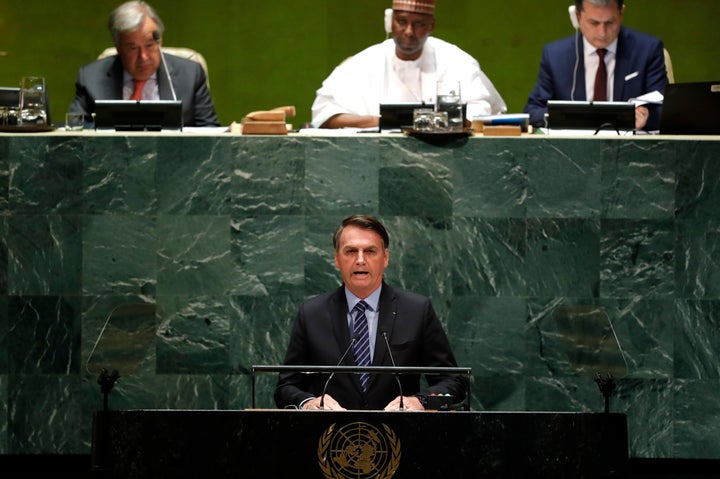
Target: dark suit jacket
(636,53)
(320,336)
(102,80)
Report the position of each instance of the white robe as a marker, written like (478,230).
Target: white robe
(362,82)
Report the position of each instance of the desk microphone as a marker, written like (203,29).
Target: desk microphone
(392,360)
(156,37)
(342,358)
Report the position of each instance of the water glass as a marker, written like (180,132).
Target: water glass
(33,101)
(423,119)
(74,121)
(448,100)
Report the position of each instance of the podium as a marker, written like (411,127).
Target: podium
(358,444)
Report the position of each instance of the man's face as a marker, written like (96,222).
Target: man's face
(361,259)
(600,25)
(139,52)
(410,30)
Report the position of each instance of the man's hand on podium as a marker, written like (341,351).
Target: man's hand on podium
(409,403)
(329,404)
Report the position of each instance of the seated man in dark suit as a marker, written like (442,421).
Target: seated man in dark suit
(331,327)
(136,72)
(635,64)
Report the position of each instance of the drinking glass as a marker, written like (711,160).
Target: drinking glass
(74,121)
(423,119)
(33,101)
(448,100)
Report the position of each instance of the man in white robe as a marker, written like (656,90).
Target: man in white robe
(403,69)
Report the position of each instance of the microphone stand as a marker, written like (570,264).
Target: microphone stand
(156,37)
(342,358)
(392,360)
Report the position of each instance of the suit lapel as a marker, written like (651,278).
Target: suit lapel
(115,74)
(622,66)
(338,318)
(386,321)
(163,86)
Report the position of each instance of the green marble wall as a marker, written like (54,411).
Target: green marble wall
(228,234)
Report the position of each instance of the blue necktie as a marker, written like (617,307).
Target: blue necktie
(362,346)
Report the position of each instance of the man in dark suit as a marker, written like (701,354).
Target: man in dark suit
(635,64)
(326,328)
(136,72)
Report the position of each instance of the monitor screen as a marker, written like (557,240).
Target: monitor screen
(691,109)
(144,115)
(395,116)
(586,115)
(9,96)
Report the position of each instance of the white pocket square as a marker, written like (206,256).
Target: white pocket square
(631,76)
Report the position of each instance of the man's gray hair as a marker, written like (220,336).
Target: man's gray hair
(128,17)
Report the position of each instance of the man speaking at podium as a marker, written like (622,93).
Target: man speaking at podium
(137,73)
(355,324)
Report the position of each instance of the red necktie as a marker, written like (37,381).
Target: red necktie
(137,93)
(600,93)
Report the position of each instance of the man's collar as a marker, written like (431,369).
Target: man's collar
(373,299)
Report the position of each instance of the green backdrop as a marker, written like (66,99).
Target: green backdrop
(268,53)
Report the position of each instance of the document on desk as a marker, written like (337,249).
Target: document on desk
(337,131)
(564,132)
(205,129)
(652,98)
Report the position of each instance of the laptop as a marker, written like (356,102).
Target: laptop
(691,109)
(588,115)
(145,115)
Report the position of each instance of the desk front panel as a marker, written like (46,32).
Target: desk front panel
(228,234)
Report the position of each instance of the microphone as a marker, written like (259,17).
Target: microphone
(156,37)
(342,358)
(392,360)
(573,19)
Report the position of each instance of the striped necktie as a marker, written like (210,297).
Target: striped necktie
(362,346)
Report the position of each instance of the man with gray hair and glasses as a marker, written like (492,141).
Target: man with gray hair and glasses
(136,72)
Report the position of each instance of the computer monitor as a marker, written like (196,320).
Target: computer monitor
(691,109)
(143,115)
(395,116)
(587,115)
(9,96)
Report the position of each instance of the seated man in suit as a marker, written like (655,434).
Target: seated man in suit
(136,72)
(634,64)
(331,327)
(403,69)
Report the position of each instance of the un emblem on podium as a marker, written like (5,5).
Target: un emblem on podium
(358,451)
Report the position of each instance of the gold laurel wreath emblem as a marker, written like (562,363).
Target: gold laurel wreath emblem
(327,463)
